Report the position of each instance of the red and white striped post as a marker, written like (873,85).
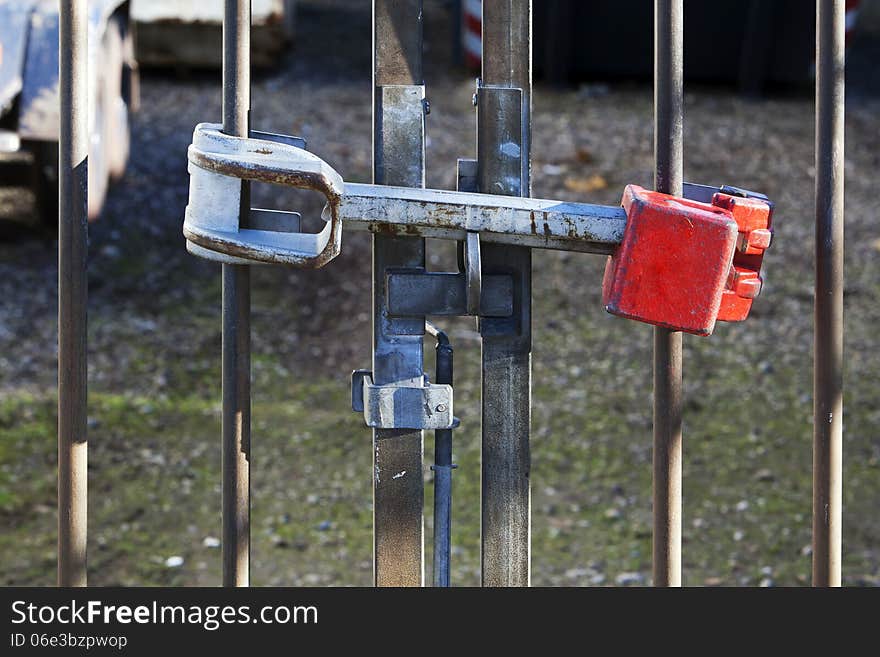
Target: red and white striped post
(472,37)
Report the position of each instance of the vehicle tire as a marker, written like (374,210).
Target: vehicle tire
(289,20)
(99,176)
(117,133)
(110,137)
(44,183)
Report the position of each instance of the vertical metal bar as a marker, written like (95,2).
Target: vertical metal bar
(668,102)
(503,140)
(442,469)
(73,294)
(828,356)
(236,438)
(398,159)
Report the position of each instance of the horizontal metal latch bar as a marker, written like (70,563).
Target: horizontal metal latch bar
(536,223)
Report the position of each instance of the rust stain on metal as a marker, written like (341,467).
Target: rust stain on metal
(239,250)
(250,171)
(395,230)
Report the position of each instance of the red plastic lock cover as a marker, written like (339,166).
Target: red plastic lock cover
(753,217)
(673,262)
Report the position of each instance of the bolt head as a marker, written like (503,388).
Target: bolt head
(441,408)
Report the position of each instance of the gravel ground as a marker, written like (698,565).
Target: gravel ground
(154,348)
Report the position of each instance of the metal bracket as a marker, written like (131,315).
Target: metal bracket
(401,407)
(415,293)
(466,178)
(473,273)
(290,140)
(705,193)
(279,221)
(500,140)
(217,163)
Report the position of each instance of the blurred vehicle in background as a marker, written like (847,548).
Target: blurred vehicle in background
(188,34)
(30,102)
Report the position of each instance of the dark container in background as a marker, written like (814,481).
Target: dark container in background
(750,43)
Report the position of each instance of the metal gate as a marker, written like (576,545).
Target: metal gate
(496,226)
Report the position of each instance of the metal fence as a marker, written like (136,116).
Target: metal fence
(495,236)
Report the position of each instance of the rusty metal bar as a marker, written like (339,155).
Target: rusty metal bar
(503,166)
(236,438)
(73,294)
(398,159)
(528,222)
(668,106)
(828,320)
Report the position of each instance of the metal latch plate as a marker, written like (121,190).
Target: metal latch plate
(401,407)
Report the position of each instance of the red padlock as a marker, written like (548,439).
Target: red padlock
(674,262)
(752,215)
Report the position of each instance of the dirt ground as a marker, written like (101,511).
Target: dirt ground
(154,348)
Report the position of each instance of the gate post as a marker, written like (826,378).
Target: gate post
(668,84)
(503,166)
(72,294)
(398,159)
(236,432)
(828,322)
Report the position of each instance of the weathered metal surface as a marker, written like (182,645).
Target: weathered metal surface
(500,112)
(466,175)
(398,159)
(473,264)
(828,319)
(503,147)
(236,317)
(73,295)
(668,110)
(416,294)
(534,223)
(218,163)
(674,262)
(391,406)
